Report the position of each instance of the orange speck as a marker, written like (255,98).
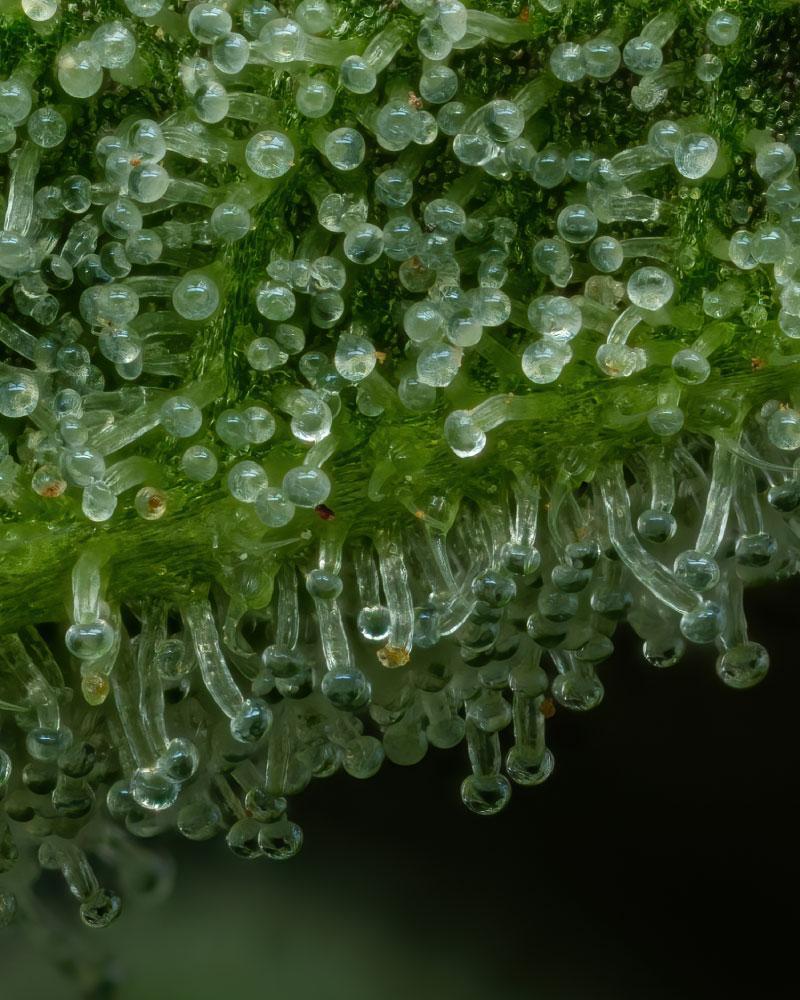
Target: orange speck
(756,363)
(393,656)
(548,708)
(54,489)
(95,688)
(381,356)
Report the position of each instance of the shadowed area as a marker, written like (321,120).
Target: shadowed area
(656,865)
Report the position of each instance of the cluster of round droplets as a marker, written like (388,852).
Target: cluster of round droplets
(279,324)
(558,320)
(599,58)
(80,64)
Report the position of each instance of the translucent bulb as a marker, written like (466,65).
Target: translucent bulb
(256,14)
(690,367)
(76,192)
(363,244)
(741,250)
(567,62)
(230,53)
(323,585)
(273,508)
(211,103)
(601,58)
(315,16)
(438,364)
(704,624)
(743,665)
(444,215)
(16,255)
(230,222)
(345,148)
(696,570)
(98,502)
(775,161)
(642,56)
(259,424)
(275,301)
(544,360)
(422,321)
(207,22)
(264,353)
(15,100)
(665,420)
(650,288)
(114,44)
(708,67)
(657,526)
(618,360)
(551,257)
(311,418)
(290,338)
(438,84)
(664,137)
(722,27)
(231,428)
(346,688)
(19,393)
(181,417)
(196,296)
(144,8)
(121,217)
(269,154)
(148,182)
(40,10)
(576,223)
(606,254)
(306,486)
(246,480)
(199,463)
(503,120)
(356,75)
(314,97)
(153,790)
(47,127)
(90,640)
(695,154)
(555,316)
(783,429)
(355,357)
(463,435)
(284,40)
(79,71)
(148,140)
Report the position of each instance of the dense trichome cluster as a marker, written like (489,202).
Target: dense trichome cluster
(362,367)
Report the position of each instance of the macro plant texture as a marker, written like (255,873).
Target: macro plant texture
(363,366)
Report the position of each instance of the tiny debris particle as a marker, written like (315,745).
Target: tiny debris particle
(393,656)
(547,708)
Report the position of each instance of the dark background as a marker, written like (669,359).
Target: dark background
(660,861)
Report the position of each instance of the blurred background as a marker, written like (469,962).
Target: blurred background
(660,861)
